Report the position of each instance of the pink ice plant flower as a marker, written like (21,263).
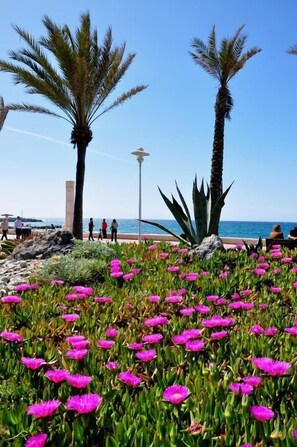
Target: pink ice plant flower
(153,338)
(57,376)
(192,333)
(153,247)
(270,366)
(77,354)
(57,282)
(136,346)
(112,366)
(153,298)
(75,338)
(37,440)
(129,379)
(11,336)
(295,285)
(11,299)
(103,299)
(202,309)
(241,388)
(235,296)
(78,381)
(82,289)
(43,409)
(180,339)
(128,276)
(212,298)
(203,274)
(187,311)
(217,321)
(155,321)
(259,271)
(275,289)
(221,301)
(111,332)
(163,255)
(291,330)
(194,345)
(254,381)
(286,260)
(173,268)
(261,413)
(22,287)
(174,299)
(271,331)
(33,363)
(245,292)
(176,394)
(70,317)
(191,277)
(257,330)
(146,356)
(80,344)
(218,335)
(85,403)
(105,344)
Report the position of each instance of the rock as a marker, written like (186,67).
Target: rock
(208,247)
(44,246)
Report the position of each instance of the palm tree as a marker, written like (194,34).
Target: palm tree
(222,64)
(78,78)
(3,112)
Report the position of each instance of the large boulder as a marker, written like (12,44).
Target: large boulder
(208,247)
(45,245)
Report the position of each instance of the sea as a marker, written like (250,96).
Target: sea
(228,228)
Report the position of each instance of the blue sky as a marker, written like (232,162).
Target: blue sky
(172,119)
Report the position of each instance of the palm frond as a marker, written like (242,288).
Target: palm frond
(32,108)
(292,49)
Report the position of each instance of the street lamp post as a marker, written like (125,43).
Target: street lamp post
(140,154)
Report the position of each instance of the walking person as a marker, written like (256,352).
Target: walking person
(18,227)
(100,234)
(114,230)
(104,228)
(91,227)
(4,228)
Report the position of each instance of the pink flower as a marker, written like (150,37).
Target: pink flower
(146,356)
(11,299)
(130,261)
(136,346)
(259,272)
(153,298)
(192,333)
(218,335)
(270,331)
(202,309)
(176,394)
(116,274)
(163,255)
(155,321)
(11,336)
(36,441)
(32,363)
(291,330)
(75,338)
(127,276)
(254,381)
(263,306)
(203,274)
(115,262)
(105,344)
(153,247)
(173,299)
(183,250)
(57,376)
(153,338)
(22,287)
(78,381)
(194,345)
(275,289)
(187,311)
(129,379)
(245,292)
(43,409)
(261,413)
(221,301)
(111,332)
(112,366)
(80,344)
(82,289)
(180,339)
(103,299)
(263,265)
(270,366)
(217,321)
(239,246)
(257,329)
(212,298)
(286,260)
(85,403)
(70,317)
(191,277)
(77,354)
(173,268)
(235,296)
(241,388)
(57,282)
(223,275)
(295,285)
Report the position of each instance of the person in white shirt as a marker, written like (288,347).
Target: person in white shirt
(18,227)
(4,228)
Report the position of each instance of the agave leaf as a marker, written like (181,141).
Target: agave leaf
(216,212)
(165,229)
(200,210)
(180,217)
(185,207)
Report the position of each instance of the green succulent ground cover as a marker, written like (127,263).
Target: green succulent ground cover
(212,415)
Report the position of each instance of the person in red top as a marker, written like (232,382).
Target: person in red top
(104,227)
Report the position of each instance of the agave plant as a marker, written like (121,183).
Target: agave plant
(253,248)
(207,217)
(6,248)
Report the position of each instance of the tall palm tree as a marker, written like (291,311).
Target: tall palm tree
(77,78)
(222,64)
(3,112)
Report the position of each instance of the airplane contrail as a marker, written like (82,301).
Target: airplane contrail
(54,140)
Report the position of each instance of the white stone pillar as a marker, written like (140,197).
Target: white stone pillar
(69,211)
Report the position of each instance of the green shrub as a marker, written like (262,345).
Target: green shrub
(91,250)
(72,270)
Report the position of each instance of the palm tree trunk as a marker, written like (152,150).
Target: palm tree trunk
(79,187)
(216,177)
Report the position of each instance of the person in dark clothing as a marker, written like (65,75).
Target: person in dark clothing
(91,227)
(114,230)
(293,234)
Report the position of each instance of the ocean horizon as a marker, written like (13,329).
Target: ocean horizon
(232,228)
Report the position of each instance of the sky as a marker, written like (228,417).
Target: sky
(173,119)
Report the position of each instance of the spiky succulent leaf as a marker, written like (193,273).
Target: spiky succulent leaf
(166,229)
(200,210)
(216,212)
